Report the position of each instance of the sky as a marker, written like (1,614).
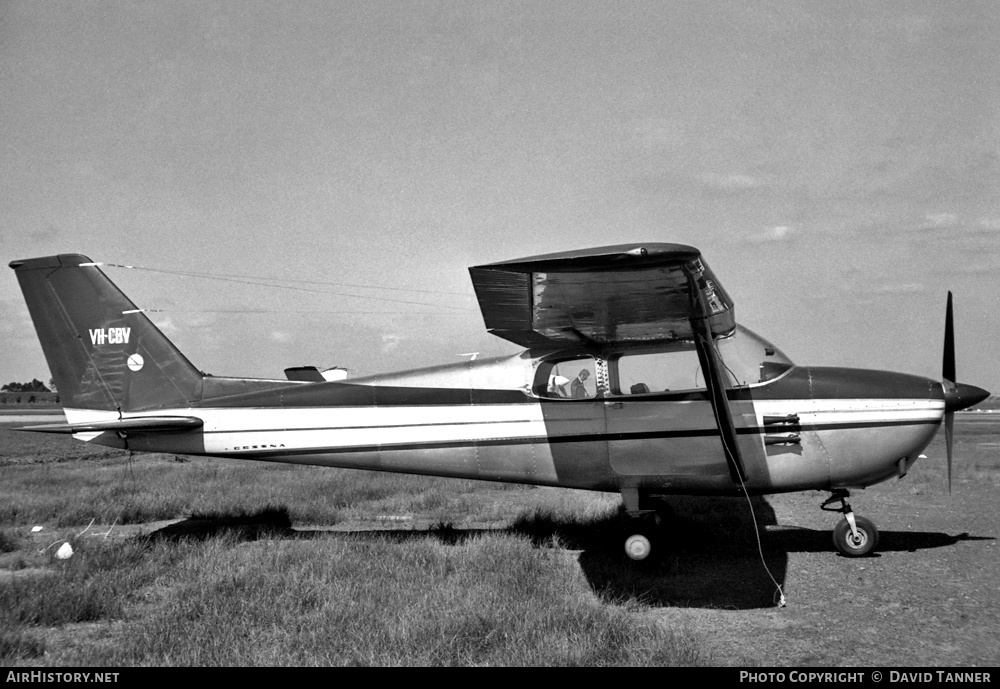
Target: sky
(306,183)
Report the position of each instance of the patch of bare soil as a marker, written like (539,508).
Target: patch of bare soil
(929,596)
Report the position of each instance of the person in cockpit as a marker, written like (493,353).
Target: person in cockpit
(578,390)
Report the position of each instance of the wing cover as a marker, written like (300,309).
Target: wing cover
(615,294)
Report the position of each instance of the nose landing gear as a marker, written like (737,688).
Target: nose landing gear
(853,536)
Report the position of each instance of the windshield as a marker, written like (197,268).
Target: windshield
(751,359)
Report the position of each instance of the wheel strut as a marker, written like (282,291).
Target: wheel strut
(855,536)
(845,508)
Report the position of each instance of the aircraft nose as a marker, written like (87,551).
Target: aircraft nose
(961,396)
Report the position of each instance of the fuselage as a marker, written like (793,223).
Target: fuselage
(522,419)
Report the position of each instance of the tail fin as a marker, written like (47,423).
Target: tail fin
(103,352)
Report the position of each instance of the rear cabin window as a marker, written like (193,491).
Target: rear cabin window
(567,379)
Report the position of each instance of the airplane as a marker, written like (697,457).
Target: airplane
(635,379)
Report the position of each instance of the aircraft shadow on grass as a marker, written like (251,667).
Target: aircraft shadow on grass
(271,522)
(712,556)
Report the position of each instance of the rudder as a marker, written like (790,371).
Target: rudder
(102,351)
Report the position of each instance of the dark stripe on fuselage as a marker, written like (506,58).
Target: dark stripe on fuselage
(555,440)
(816,382)
(338,394)
(829,382)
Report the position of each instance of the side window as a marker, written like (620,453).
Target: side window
(566,379)
(659,371)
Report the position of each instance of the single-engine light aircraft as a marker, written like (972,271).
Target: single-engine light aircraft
(636,379)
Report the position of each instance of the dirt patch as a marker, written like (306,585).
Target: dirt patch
(928,597)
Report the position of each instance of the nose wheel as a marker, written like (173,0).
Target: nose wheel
(853,536)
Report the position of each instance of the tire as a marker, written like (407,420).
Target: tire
(638,547)
(844,540)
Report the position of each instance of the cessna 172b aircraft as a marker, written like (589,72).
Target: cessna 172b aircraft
(636,379)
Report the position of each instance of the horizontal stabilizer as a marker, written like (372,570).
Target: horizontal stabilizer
(309,374)
(142,424)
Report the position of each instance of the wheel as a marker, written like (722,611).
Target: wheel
(638,547)
(850,546)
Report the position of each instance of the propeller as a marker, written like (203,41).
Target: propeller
(948,376)
(957,396)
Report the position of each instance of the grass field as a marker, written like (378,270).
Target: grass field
(224,563)
(190,561)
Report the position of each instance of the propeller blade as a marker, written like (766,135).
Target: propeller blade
(949,432)
(948,373)
(957,396)
(948,364)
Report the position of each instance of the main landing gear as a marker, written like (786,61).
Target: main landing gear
(852,536)
(644,534)
(648,519)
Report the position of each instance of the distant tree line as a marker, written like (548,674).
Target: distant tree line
(35,392)
(34,386)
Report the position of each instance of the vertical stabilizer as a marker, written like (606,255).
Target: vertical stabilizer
(103,352)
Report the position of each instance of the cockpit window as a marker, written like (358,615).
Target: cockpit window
(642,372)
(747,358)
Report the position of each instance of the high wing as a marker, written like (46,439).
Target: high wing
(609,295)
(618,294)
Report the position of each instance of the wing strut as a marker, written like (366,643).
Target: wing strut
(715,379)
